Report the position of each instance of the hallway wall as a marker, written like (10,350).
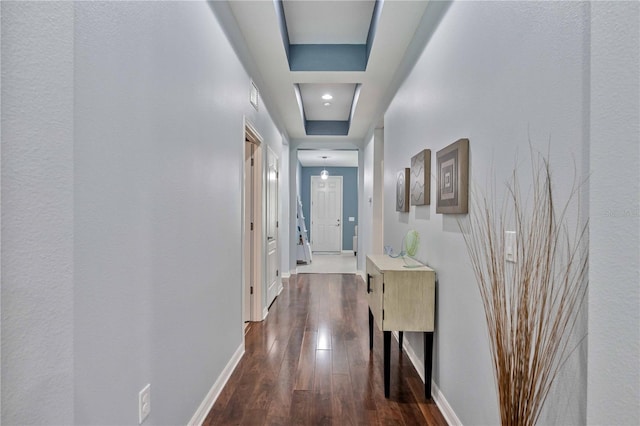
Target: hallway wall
(121,202)
(505,75)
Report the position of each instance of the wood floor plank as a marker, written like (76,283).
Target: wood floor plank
(309,363)
(306,365)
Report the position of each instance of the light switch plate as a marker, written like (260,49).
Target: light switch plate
(510,246)
(144,403)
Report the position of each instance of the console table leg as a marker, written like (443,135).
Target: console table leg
(370,330)
(400,337)
(428,361)
(387,362)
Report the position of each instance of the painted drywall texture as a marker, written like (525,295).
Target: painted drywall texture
(614,261)
(349,199)
(37,213)
(160,99)
(122,169)
(365,207)
(504,75)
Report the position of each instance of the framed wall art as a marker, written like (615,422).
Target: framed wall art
(421,178)
(453,178)
(402,191)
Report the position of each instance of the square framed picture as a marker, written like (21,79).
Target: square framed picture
(453,178)
(402,191)
(421,178)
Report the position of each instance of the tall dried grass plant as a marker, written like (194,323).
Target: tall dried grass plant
(531,306)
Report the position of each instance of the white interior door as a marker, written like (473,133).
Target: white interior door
(273,275)
(326,214)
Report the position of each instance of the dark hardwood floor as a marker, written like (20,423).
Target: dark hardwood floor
(309,363)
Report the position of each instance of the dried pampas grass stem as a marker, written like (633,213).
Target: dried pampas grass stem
(531,306)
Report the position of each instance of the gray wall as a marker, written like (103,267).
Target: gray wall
(122,138)
(37,213)
(614,258)
(349,198)
(504,75)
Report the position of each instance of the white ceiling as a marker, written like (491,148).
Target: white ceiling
(340,107)
(253,28)
(335,158)
(328,22)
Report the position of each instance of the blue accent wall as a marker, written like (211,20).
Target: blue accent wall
(328,57)
(349,199)
(327,128)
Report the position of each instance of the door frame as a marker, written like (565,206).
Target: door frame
(311,208)
(255,252)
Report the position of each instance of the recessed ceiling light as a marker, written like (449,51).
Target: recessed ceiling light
(327,104)
(327,97)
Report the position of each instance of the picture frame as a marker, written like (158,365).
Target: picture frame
(453,178)
(420,180)
(402,190)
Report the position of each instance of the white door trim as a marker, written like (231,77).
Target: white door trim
(251,134)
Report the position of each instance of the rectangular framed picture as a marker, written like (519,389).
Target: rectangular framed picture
(402,191)
(421,178)
(453,178)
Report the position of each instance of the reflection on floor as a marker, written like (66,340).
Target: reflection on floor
(344,263)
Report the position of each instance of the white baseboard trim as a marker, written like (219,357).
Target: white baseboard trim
(280,288)
(362,275)
(286,275)
(437,395)
(213,394)
(265,312)
(442,403)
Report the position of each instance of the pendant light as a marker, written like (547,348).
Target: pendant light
(324,174)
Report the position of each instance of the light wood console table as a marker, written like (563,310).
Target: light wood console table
(401,299)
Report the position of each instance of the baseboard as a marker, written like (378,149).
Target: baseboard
(442,403)
(362,275)
(437,395)
(265,312)
(347,251)
(286,275)
(280,288)
(201,413)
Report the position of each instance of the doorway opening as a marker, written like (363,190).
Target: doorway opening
(252,227)
(332,237)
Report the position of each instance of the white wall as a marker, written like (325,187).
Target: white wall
(122,170)
(285,212)
(37,213)
(365,189)
(503,74)
(370,228)
(614,261)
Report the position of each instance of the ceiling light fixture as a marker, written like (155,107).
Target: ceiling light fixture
(327,97)
(327,104)
(324,174)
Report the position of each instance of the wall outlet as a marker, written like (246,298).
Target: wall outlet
(144,403)
(510,246)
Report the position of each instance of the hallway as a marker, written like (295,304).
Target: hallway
(309,363)
(343,263)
